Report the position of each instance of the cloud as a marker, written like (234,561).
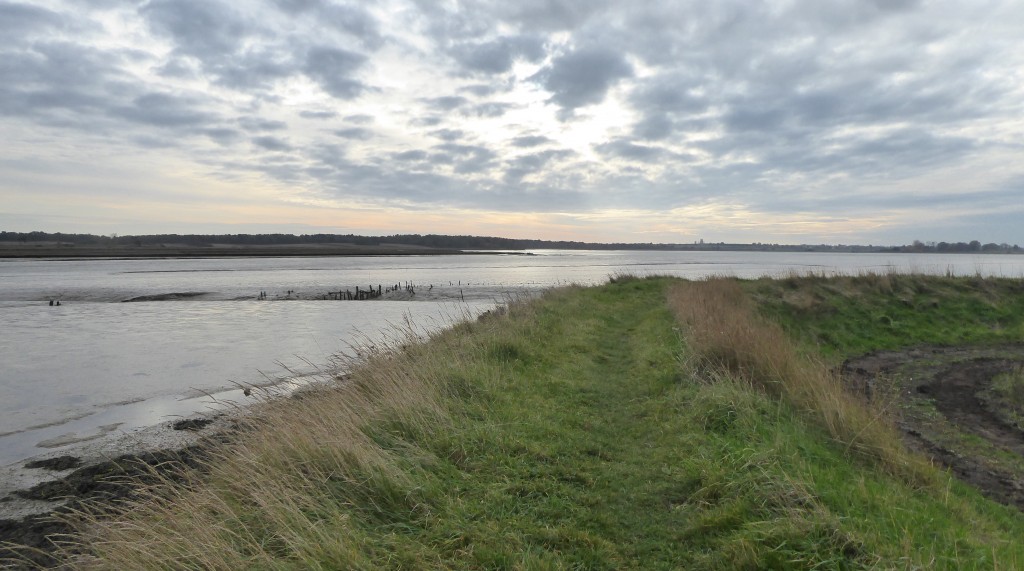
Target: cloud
(415,155)
(259,124)
(271,143)
(530,141)
(166,110)
(448,134)
(332,68)
(359,119)
(320,114)
(858,106)
(626,149)
(497,56)
(533,164)
(354,133)
(19,20)
(583,77)
(207,30)
(445,103)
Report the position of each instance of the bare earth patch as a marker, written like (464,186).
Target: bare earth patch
(942,401)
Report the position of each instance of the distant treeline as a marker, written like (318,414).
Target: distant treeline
(482,243)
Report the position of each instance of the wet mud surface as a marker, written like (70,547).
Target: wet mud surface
(936,392)
(105,483)
(70,484)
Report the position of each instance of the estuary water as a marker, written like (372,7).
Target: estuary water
(137,342)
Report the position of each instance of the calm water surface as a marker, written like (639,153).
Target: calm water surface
(96,365)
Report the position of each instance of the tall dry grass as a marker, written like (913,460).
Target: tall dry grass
(727,336)
(297,484)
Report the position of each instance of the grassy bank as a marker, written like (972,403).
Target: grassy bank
(589,429)
(851,315)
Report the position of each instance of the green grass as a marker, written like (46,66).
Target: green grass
(567,433)
(1005,396)
(851,315)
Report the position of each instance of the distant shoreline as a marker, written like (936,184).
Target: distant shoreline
(75,251)
(64,245)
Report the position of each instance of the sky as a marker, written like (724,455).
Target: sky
(799,121)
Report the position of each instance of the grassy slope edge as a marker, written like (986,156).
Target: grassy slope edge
(566,432)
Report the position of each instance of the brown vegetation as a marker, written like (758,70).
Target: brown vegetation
(726,335)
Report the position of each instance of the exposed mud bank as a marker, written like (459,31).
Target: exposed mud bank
(935,392)
(70,483)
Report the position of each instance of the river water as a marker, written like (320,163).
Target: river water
(96,366)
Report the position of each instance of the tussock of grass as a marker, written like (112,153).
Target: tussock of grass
(565,433)
(728,337)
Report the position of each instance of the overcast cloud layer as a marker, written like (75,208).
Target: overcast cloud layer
(853,121)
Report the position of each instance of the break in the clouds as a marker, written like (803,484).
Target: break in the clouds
(790,121)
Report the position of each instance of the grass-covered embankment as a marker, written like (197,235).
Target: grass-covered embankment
(844,316)
(582,430)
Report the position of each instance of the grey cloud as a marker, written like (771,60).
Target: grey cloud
(459,149)
(257,124)
(166,110)
(59,75)
(333,68)
(492,109)
(223,135)
(414,155)
(353,19)
(253,69)
(271,143)
(441,159)
(480,161)
(322,114)
(654,127)
(350,18)
(626,149)
(549,15)
(178,67)
(359,119)
(294,7)
(469,159)
(448,134)
(498,55)
(480,90)
(664,101)
(446,103)
(21,19)
(207,29)
(531,164)
(358,133)
(583,77)
(530,141)
(428,121)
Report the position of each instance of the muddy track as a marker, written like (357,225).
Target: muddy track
(950,378)
(955,394)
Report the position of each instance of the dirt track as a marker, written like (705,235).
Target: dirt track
(948,380)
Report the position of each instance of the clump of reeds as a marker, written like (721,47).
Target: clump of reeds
(727,336)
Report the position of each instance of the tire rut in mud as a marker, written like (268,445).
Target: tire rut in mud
(951,378)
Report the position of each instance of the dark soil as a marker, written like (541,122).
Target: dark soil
(56,464)
(176,296)
(192,424)
(950,379)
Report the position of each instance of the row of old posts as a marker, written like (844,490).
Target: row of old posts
(370,293)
